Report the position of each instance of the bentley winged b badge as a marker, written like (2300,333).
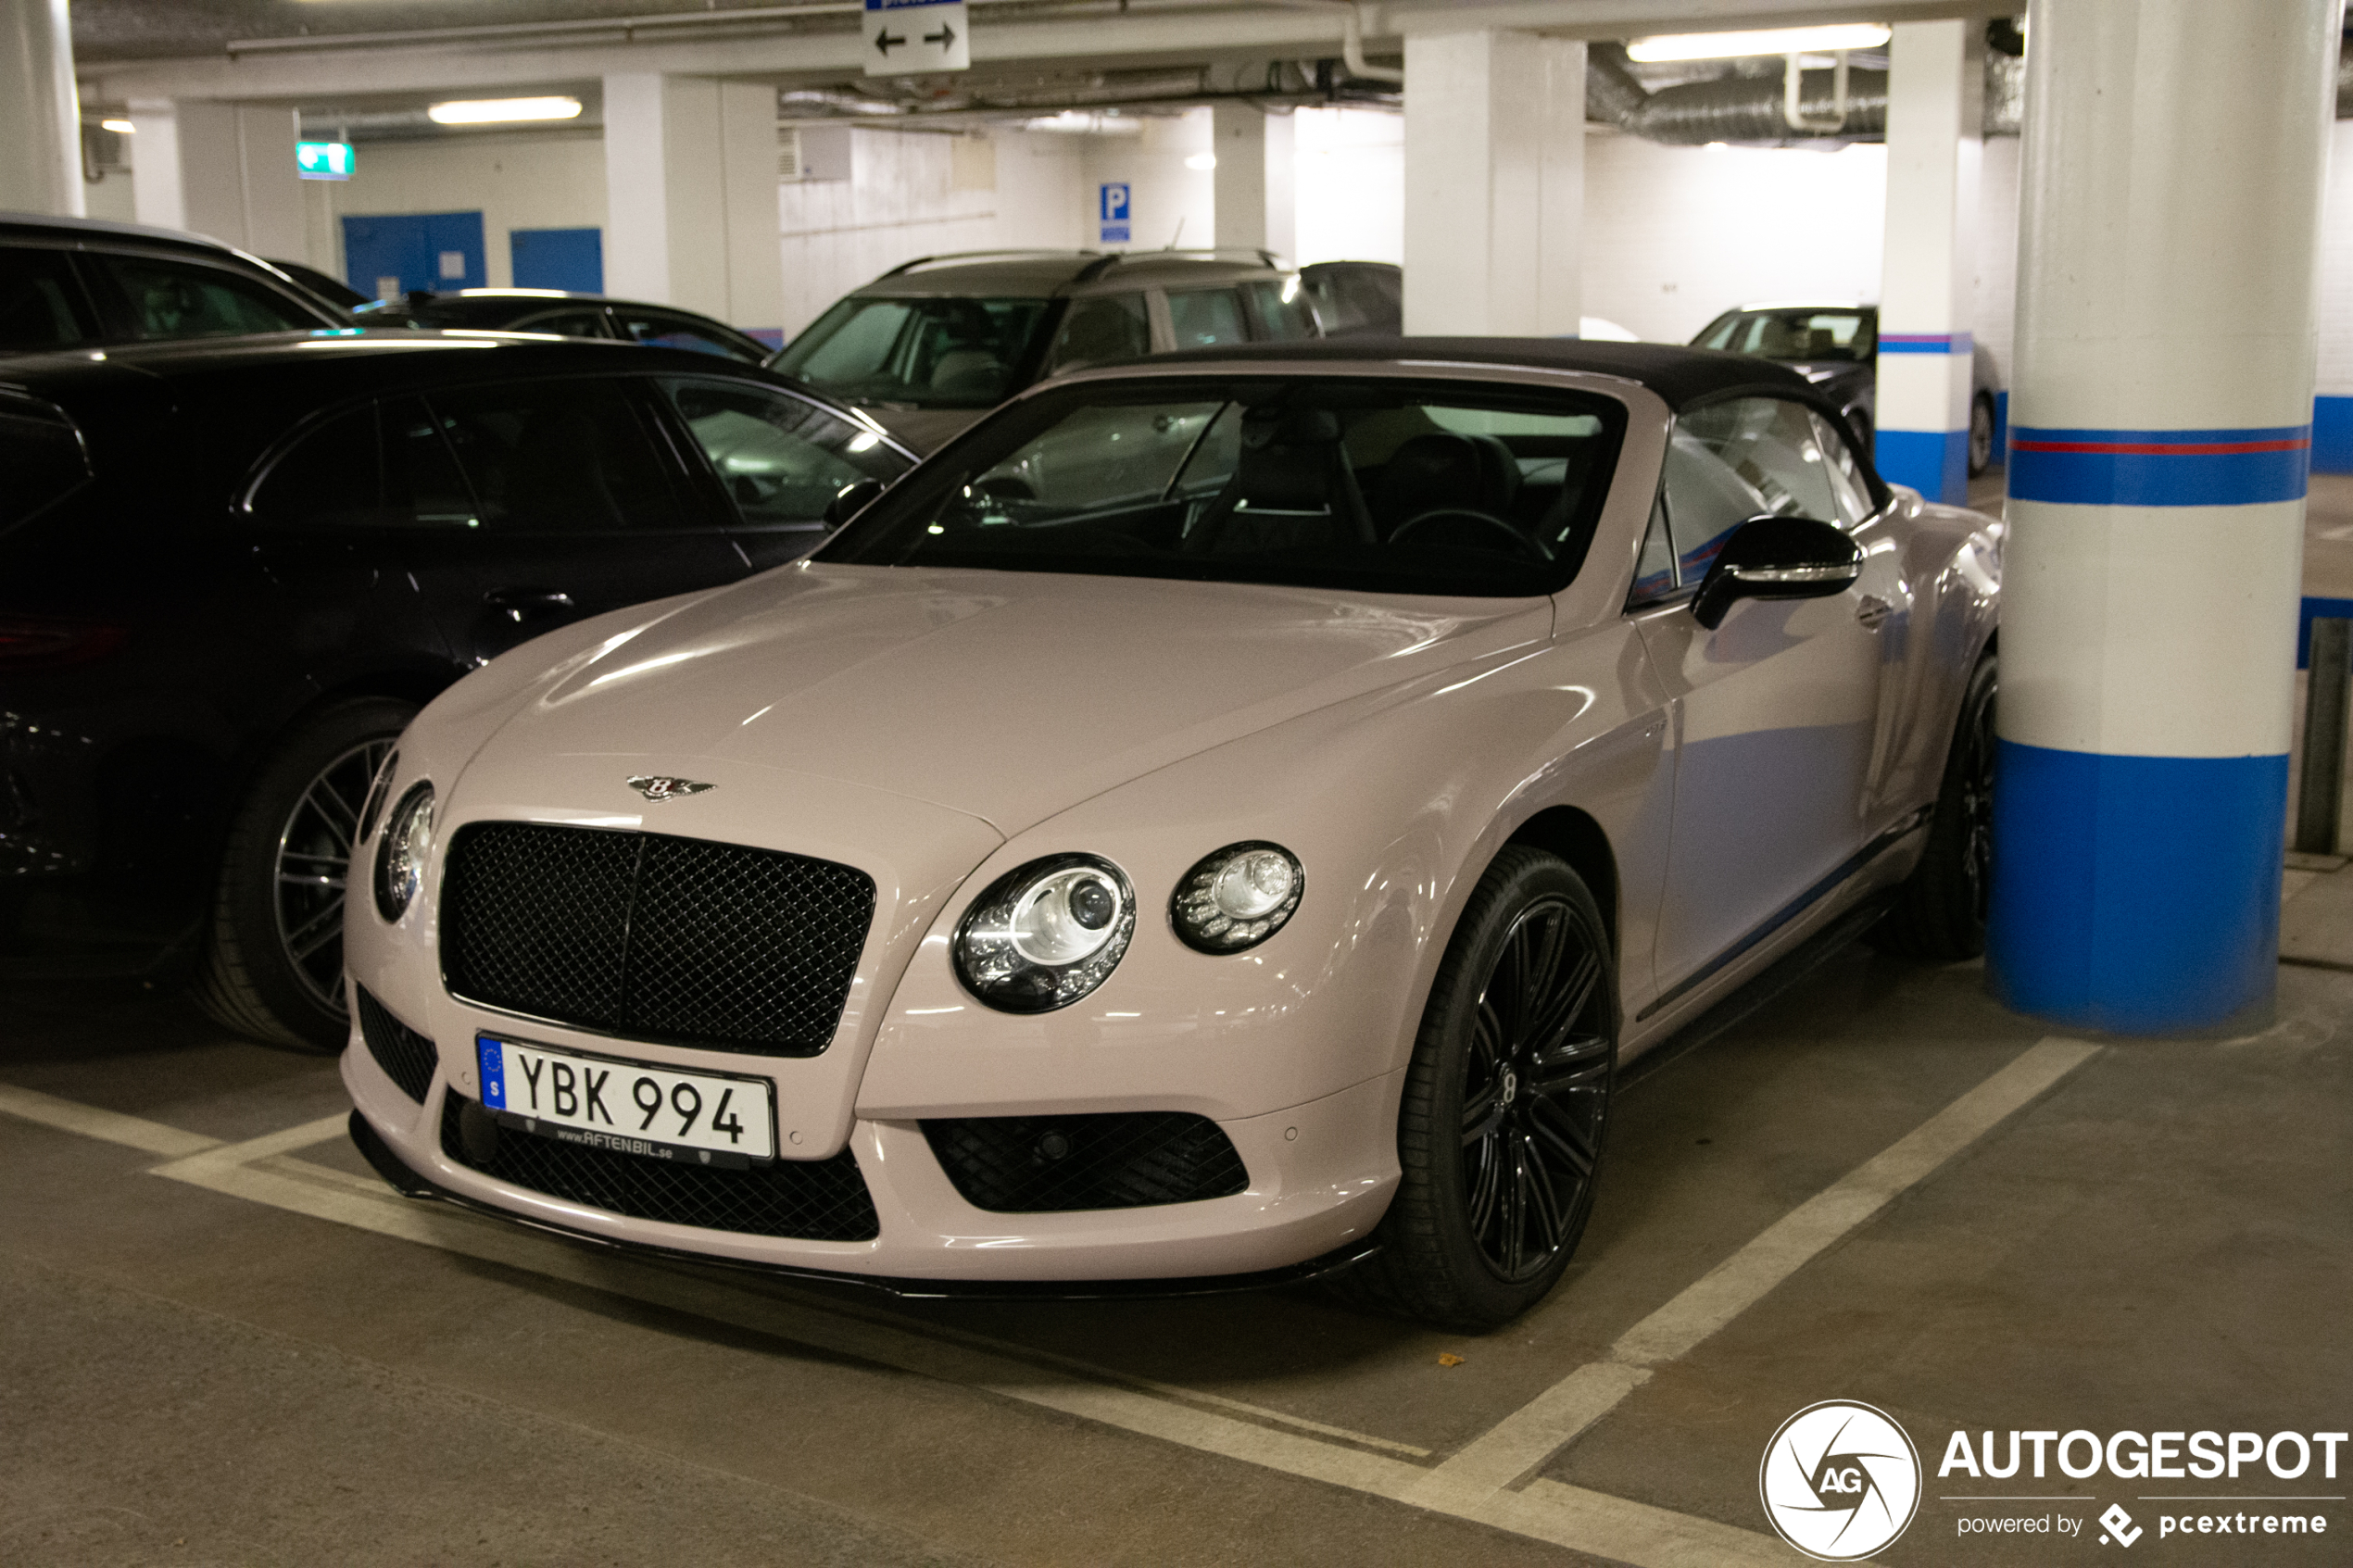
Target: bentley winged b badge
(656,787)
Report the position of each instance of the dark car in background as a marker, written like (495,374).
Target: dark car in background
(1356,298)
(333,291)
(564,315)
(231,571)
(1836,347)
(932,345)
(73,282)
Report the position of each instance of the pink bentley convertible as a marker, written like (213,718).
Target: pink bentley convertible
(1219,821)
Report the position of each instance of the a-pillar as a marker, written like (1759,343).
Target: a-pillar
(2170,210)
(40,115)
(1935,113)
(1495,184)
(690,195)
(223,169)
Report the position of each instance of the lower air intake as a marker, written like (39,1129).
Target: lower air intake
(1128,1160)
(808,1200)
(408,1058)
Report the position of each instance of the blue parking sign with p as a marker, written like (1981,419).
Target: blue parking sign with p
(1114,212)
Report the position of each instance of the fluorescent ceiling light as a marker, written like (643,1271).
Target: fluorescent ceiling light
(1079,122)
(1778,41)
(1201,161)
(120,126)
(495,111)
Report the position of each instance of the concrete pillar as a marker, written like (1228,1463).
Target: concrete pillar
(1282,186)
(690,197)
(226,170)
(40,114)
(1495,184)
(2170,210)
(1237,185)
(1935,111)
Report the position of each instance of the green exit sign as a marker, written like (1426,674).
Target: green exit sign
(322,161)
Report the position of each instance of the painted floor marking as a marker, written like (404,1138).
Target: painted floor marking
(1477,1483)
(1531,1436)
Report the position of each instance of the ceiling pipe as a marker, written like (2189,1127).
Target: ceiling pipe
(1351,40)
(1732,109)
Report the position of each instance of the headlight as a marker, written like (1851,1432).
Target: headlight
(400,859)
(1237,898)
(1044,935)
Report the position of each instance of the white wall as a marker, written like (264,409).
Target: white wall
(526,181)
(1168,204)
(2336,266)
(911,193)
(1352,185)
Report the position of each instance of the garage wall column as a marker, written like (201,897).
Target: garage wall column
(1935,111)
(1495,184)
(2160,411)
(1282,185)
(222,169)
(1237,185)
(690,186)
(40,113)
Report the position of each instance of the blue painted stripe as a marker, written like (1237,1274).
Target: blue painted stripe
(2159,468)
(1933,462)
(2310,611)
(1926,343)
(2139,895)
(2001,427)
(2333,434)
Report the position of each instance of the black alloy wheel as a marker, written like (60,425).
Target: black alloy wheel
(273,966)
(1506,1104)
(1940,912)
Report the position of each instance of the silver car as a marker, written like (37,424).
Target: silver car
(1232,820)
(931,345)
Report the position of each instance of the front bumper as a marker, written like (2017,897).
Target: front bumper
(1319,1177)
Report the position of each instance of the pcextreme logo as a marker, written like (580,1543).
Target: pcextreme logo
(1840,1480)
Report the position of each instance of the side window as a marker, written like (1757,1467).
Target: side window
(1100,328)
(42,460)
(330,478)
(41,302)
(571,457)
(174,299)
(1655,569)
(1706,499)
(1202,318)
(1848,488)
(1279,311)
(567,324)
(1771,445)
(781,460)
(422,487)
(672,331)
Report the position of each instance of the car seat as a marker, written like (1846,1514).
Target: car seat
(1291,489)
(1444,471)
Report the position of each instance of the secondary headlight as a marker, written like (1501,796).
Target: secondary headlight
(1237,898)
(1044,935)
(400,859)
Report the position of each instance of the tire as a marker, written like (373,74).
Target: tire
(1980,434)
(272,965)
(1939,912)
(1499,1161)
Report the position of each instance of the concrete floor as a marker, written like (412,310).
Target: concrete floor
(228,1343)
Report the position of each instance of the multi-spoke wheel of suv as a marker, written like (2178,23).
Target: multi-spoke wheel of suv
(1506,1102)
(273,964)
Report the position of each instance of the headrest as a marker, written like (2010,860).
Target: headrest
(1287,458)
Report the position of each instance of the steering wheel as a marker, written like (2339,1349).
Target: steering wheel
(1521,544)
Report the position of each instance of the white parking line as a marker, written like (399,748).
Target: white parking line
(1477,1483)
(1541,1428)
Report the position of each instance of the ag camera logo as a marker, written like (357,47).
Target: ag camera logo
(1840,1480)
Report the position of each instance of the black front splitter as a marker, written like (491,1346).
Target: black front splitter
(409,1184)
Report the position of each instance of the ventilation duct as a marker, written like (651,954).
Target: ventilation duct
(1731,108)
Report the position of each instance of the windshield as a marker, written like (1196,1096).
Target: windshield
(1795,334)
(919,353)
(1362,483)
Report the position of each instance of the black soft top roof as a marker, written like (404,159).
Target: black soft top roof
(1680,376)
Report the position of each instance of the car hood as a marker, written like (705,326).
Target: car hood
(1003,695)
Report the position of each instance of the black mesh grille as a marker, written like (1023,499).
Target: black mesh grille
(407,1056)
(811,1200)
(654,938)
(1033,1164)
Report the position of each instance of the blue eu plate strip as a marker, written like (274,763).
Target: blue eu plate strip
(494,1072)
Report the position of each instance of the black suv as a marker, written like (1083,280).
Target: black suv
(230,571)
(72,283)
(565,314)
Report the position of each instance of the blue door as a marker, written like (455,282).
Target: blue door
(383,256)
(572,259)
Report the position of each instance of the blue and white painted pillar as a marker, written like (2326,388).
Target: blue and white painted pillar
(1935,111)
(2168,235)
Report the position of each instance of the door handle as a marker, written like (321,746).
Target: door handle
(1872,611)
(522,603)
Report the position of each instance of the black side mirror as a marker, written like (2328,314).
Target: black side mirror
(1777,557)
(851,499)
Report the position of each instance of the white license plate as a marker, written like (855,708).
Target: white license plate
(628,1106)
